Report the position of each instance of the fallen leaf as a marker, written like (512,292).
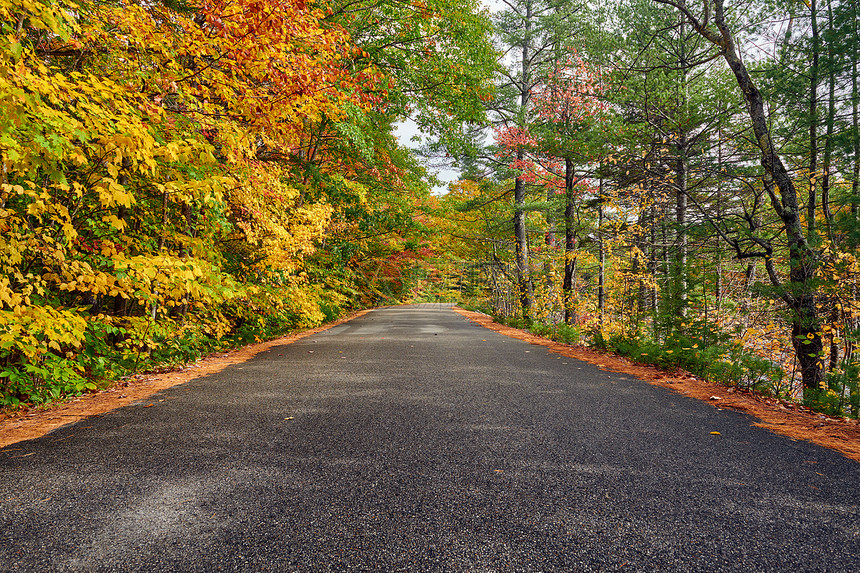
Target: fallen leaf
(716,434)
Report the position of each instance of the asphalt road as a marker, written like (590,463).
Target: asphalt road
(413,440)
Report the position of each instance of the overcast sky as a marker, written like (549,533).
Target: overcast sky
(404,132)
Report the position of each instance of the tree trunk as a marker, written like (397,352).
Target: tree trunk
(718,283)
(813,119)
(682,170)
(641,266)
(653,259)
(522,250)
(520,232)
(855,122)
(601,278)
(550,243)
(681,183)
(828,138)
(569,245)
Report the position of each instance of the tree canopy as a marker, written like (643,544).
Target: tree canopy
(179,176)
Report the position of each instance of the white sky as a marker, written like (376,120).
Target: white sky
(404,132)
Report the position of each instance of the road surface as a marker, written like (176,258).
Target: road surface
(414,440)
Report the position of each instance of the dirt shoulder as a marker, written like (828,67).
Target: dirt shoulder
(779,416)
(36,422)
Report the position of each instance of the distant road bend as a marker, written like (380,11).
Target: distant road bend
(413,440)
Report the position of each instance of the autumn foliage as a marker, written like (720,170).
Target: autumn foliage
(180,176)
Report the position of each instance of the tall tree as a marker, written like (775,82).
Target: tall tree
(529,32)
(799,293)
(569,126)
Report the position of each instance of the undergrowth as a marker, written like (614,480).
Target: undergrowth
(110,348)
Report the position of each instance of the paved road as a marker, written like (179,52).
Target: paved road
(414,440)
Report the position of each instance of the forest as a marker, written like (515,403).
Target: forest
(674,182)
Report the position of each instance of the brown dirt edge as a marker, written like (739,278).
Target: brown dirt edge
(778,416)
(36,422)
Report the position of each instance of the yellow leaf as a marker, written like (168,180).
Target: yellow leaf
(114,221)
(35,208)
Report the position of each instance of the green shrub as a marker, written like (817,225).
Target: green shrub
(49,378)
(559,332)
(841,397)
(724,362)
(827,401)
(567,334)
